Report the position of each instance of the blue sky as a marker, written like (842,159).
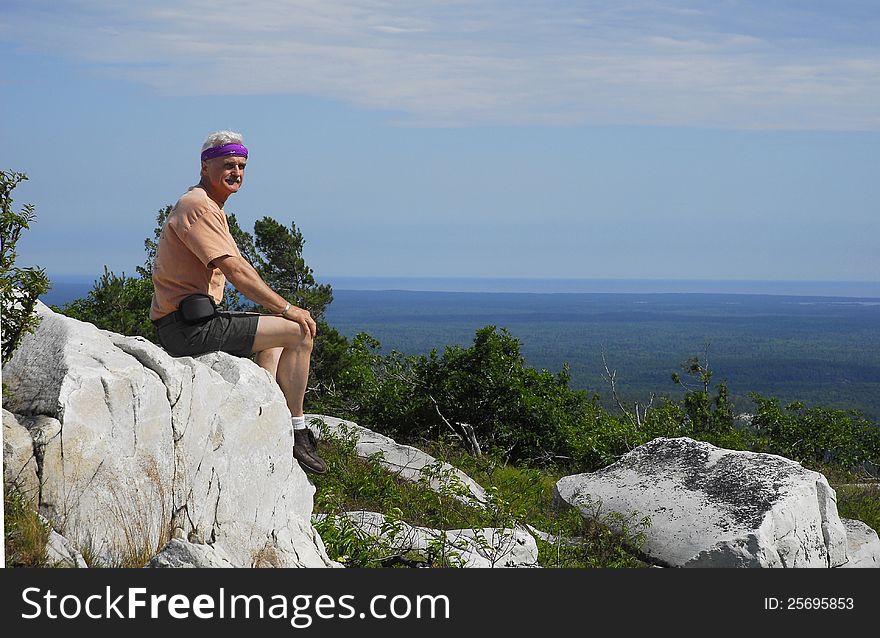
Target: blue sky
(639,139)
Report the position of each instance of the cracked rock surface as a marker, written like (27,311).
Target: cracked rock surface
(125,447)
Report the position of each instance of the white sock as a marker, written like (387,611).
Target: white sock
(299,422)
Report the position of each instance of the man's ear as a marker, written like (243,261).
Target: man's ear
(204,168)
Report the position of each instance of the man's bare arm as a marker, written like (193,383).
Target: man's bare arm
(248,282)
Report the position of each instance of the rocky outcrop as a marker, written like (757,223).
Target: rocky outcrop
(711,507)
(133,448)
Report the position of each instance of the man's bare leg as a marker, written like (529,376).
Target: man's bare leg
(268,360)
(285,352)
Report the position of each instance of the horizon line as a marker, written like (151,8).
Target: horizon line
(88,278)
(849,289)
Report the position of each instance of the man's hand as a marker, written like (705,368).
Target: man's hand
(303,318)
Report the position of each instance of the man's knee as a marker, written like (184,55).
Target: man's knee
(271,333)
(300,340)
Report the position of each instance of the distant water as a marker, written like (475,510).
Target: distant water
(629,286)
(66,288)
(64,292)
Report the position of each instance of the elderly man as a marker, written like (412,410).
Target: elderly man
(195,257)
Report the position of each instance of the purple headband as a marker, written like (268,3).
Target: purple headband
(225,149)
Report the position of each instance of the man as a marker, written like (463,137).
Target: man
(196,255)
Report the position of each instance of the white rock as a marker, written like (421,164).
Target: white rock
(235,440)
(61,553)
(862,544)
(111,465)
(19,462)
(711,507)
(407,462)
(180,553)
(485,547)
(149,447)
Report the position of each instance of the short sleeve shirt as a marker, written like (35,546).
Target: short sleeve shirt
(195,234)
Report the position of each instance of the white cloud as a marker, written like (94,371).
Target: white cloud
(390,29)
(481,62)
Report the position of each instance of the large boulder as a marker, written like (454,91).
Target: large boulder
(711,507)
(135,447)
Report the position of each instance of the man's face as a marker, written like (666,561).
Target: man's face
(224,175)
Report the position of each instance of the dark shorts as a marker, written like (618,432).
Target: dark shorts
(227,332)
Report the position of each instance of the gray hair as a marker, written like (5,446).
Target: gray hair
(219,138)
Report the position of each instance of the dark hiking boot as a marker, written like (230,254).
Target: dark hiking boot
(305,451)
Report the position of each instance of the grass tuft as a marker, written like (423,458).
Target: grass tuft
(26,535)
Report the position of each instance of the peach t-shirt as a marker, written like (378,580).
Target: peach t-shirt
(195,234)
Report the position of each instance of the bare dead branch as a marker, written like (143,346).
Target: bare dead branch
(639,414)
(611,376)
(472,438)
(464,432)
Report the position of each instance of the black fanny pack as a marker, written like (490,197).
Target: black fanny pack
(197,308)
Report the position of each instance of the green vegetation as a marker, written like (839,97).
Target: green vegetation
(278,258)
(25,534)
(860,502)
(19,287)
(814,436)
(118,303)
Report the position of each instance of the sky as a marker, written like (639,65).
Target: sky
(625,139)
